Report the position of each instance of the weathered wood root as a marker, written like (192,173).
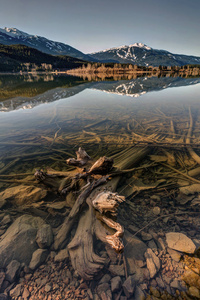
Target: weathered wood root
(82,158)
(93,224)
(102,166)
(81,249)
(61,238)
(54,181)
(107,202)
(114,240)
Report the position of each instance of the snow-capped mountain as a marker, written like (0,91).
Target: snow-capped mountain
(137,53)
(143,55)
(12,36)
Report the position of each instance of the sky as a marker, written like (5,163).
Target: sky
(90,25)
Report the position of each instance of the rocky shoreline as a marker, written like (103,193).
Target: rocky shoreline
(161,255)
(162,262)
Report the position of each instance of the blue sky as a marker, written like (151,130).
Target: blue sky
(90,25)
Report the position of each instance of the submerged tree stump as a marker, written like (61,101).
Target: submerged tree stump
(94,210)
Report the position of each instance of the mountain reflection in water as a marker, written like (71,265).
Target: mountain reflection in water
(32,91)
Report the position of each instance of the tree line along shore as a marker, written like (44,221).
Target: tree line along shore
(117,68)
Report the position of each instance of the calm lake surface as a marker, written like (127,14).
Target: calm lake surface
(44,115)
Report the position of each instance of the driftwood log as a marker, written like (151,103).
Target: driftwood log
(95,210)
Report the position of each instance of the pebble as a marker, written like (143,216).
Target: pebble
(176,256)
(180,242)
(133,228)
(153,283)
(38,257)
(155,197)
(194,292)
(153,262)
(116,284)
(160,282)
(12,270)
(152,245)
(44,236)
(116,270)
(47,288)
(104,287)
(161,244)
(154,291)
(25,294)
(62,255)
(167,279)
(139,294)
(156,210)
(146,236)
(129,286)
(105,278)
(16,292)
(175,284)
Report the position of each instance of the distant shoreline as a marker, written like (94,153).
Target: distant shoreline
(107,71)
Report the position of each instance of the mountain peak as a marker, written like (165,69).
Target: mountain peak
(14,32)
(142,55)
(12,36)
(140,45)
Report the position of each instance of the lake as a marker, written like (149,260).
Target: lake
(150,127)
(87,112)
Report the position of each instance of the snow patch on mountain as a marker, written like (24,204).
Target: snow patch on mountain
(139,45)
(14,32)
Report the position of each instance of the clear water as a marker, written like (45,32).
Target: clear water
(94,115)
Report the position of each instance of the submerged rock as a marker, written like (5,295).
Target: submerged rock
(191,278)
(139,295)
(129,286)
(44,236)
(134,251)
(117,270)
(38,257)
(16,292)
(180,242)
(18,242)
(116,283)
(194,292)
(156,210)
(4,297)
(23,194)
(174,254)
(153,262)
(12,270)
